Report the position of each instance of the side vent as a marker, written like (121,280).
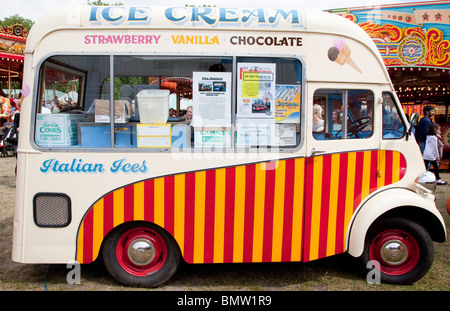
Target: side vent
(52,210)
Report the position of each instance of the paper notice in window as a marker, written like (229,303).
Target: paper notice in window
(287,104)
(255,132)
(256,90)
(211,99)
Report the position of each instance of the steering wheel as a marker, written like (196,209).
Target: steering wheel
(356,126)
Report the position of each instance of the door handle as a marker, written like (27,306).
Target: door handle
(314,151)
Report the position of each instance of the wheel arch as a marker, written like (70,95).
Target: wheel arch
(95,247)
(136,223)
(407,204)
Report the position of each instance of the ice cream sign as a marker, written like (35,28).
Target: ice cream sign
(196,16)
(340,53)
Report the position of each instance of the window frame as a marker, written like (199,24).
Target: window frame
(325,91)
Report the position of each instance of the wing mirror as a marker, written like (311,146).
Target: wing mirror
(414,119)
(412,122)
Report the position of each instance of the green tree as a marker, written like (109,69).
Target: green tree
(16,19)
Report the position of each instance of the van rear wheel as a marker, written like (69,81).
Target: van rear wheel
(402,249)
(141,254)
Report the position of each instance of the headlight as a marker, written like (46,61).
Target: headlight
(426,183)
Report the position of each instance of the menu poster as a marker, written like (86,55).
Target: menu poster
(211,99)
(256,90)
(287,104)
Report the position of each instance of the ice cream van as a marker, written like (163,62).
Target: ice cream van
(151,136)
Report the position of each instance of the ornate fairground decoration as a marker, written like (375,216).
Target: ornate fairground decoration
(410,46)
(12,41)
(412,51)
(415,38)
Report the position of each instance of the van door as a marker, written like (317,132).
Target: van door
(341,165)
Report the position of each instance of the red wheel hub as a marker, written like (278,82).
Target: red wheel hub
(141,251)
(397,252)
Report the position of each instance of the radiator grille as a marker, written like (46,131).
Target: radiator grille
(52,210)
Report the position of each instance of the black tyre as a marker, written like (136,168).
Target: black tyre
(403,250)
(141,254)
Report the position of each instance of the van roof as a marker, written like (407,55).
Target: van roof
(210,18)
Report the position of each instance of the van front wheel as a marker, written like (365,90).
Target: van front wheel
(401,249)
(141,254)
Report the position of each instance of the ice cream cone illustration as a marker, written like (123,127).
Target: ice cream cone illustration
(340,53)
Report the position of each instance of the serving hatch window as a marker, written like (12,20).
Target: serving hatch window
(67,85)
(169,103)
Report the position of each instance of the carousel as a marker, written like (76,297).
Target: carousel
(12,48)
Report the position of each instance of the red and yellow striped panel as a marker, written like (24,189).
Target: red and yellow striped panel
(288,210)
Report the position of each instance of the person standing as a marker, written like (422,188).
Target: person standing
(431,153)
(16,124)
(424,124)
(5,113)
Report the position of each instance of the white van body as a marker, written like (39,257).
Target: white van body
(251,185)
